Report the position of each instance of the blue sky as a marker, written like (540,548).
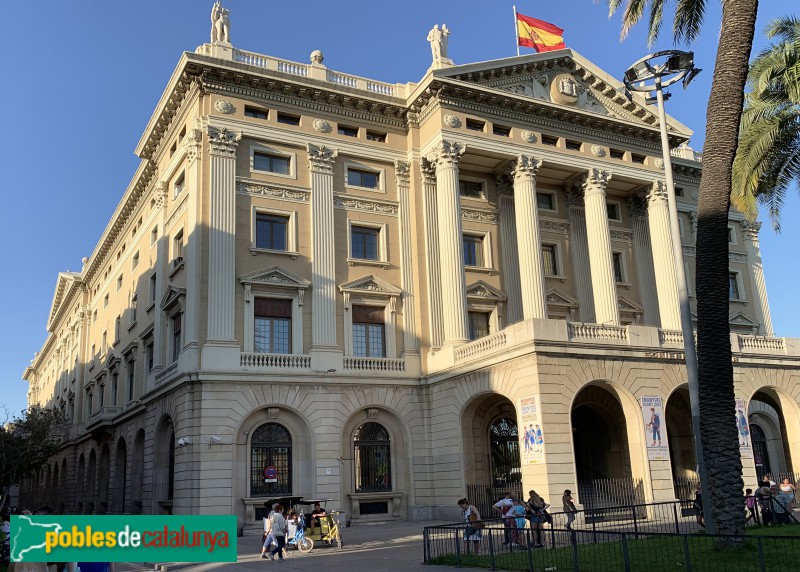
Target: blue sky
(82,80)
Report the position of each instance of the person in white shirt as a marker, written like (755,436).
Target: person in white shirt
(506,507)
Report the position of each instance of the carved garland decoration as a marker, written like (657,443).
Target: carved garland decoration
(274,192)
(365,205)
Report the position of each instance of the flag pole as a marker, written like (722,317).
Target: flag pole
(516,31)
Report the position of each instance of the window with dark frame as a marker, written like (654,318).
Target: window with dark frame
(473,250)
(549,260)
(149,352)
(271,163)
(176,335)
(573,145)
(254,113)
(271,446)
(501,130)
(272,326)
(478,324)
(733,286)
(612,210)
(364,242)
(616,153)
(114,387)
(471,189)
(288,119)
(131,379)
(272,231)
(475,125)
(636,158)
(549,140)
(368,331)
(372,458)
(348,131)
(376,136)
(362,178)
(619,275)
(545,201)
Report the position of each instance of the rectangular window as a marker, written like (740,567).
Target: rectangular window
(733,286)
(272,231)
(638,158)
(678,191)
(731,236)
(102,395)
(612,209)
(254,113)
(376,136)
(94,316)
(573,145)
(105,301)
(360,178)
(114,387)
(149,352)
(104,343)
(545,201)
(471,189)
(135,260)
(131,379)
(501,130)
(176,336)
(549,140)
(478,324)
(153,287)
(153,236)
(179,185)
(368,331)
(348,131)
(119,282)
(473,250)
(364,243)
(134,308)
(549,260)
(177,247)
(89,403)
(616,153)
(288,119)
(619,274)
(271,163)
(273,326)
(475,125)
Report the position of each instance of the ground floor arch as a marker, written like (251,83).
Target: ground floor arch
(769,435)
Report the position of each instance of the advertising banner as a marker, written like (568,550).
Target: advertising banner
(745,444)
(655,433)
(531,435)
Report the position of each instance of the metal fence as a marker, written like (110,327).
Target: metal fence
(484,496)
(606,550)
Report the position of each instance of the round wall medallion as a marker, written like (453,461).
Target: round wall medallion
(223,106)
(598,151)
(451,120)
(659,163)
(564,89)
(528,136)
(322,126)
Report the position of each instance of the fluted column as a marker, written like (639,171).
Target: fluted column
(410,340)
(751,230)
(160,336)
(451,247)
(323,261)
(643,253)
(604,289)
(529,246)
(579,250)
(508,248)
(222,235)
(428,170)
(193,145)
(663,257)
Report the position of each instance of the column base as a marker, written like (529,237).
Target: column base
(326,359)
(220,355)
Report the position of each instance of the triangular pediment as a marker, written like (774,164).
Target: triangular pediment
(556,297)
(740,319)
(172,295)
(629,306)
(275,276)
(370,284)
(563,78)
(65,281)
(484,291)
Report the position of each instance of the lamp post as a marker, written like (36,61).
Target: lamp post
(651,74)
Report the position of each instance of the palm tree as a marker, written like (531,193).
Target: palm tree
(768,159)
(723,489)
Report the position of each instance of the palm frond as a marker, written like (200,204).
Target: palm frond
(631,16)
(656,18)
(689,16)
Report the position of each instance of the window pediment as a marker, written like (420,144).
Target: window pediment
(275,276)
(172,296)
(557,298)
(740,319)
(480,290)
(370,284)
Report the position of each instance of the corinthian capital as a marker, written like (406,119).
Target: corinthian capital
(447,154)
(402,171)
(428,171)
(526,167)
(751,229)
(321,159)
(658,192)
(596,180)
(223,143)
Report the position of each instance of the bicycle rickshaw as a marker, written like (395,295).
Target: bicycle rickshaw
(304,535)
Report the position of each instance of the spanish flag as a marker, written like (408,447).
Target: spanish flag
(539,35)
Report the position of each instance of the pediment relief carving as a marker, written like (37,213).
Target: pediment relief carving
(370,284)
(172,296)
(556,297)
(275,276)
(628,306)
(740,319)
(484,291)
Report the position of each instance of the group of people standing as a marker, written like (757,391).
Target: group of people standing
(774,502)
(516,513)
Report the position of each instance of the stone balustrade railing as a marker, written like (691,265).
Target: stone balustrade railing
(686,153)
(481,346)
(762,344)
(395,365)
(592,332)
(279,361)
(670,338)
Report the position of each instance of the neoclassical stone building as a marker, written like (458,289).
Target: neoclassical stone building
(319,284)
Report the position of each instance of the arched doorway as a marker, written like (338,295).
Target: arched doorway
(504,451)
(103,479)
(164,473)
(760,450)
(80,484)
(372,458)
(602,454)
(137,473)
(62,487)
(768,435)
(91,480)
(271,446)
(680,437)
(120,477)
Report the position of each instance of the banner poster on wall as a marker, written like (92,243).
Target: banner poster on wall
(531,436)
(654,430)
(745,444)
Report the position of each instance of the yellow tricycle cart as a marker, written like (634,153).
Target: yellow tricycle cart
(329,528)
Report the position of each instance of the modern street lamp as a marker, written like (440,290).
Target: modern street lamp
(651,74)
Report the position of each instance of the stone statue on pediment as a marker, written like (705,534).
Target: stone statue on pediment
(438,39)
(220,24)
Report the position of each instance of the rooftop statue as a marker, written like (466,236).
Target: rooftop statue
(438,39)
(220,24)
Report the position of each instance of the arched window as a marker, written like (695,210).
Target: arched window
(504,450)
(271,446)
(372,454)
(760,454)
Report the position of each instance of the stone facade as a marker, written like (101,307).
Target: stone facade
(432,257)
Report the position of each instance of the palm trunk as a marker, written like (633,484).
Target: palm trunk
(718,431)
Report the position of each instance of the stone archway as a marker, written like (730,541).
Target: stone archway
(769,438)
(91,481)
(103,480)
(164,467)
(680,437)
(80,485)
(120,497)
(137,473)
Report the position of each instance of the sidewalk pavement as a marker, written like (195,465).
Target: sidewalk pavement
(373,548)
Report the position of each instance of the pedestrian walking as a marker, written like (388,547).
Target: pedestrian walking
(569,508)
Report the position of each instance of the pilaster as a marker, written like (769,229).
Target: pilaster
(410,339)
(643,253)
(161,265)
(451,247)
(604,288)
(221,351)
(529,244)
(663,257)
(325,353)
(579,250)
(761,301)
(192,143)
(508,248)
(433,266)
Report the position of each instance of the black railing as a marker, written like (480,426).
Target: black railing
(606,550)
(485,496)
